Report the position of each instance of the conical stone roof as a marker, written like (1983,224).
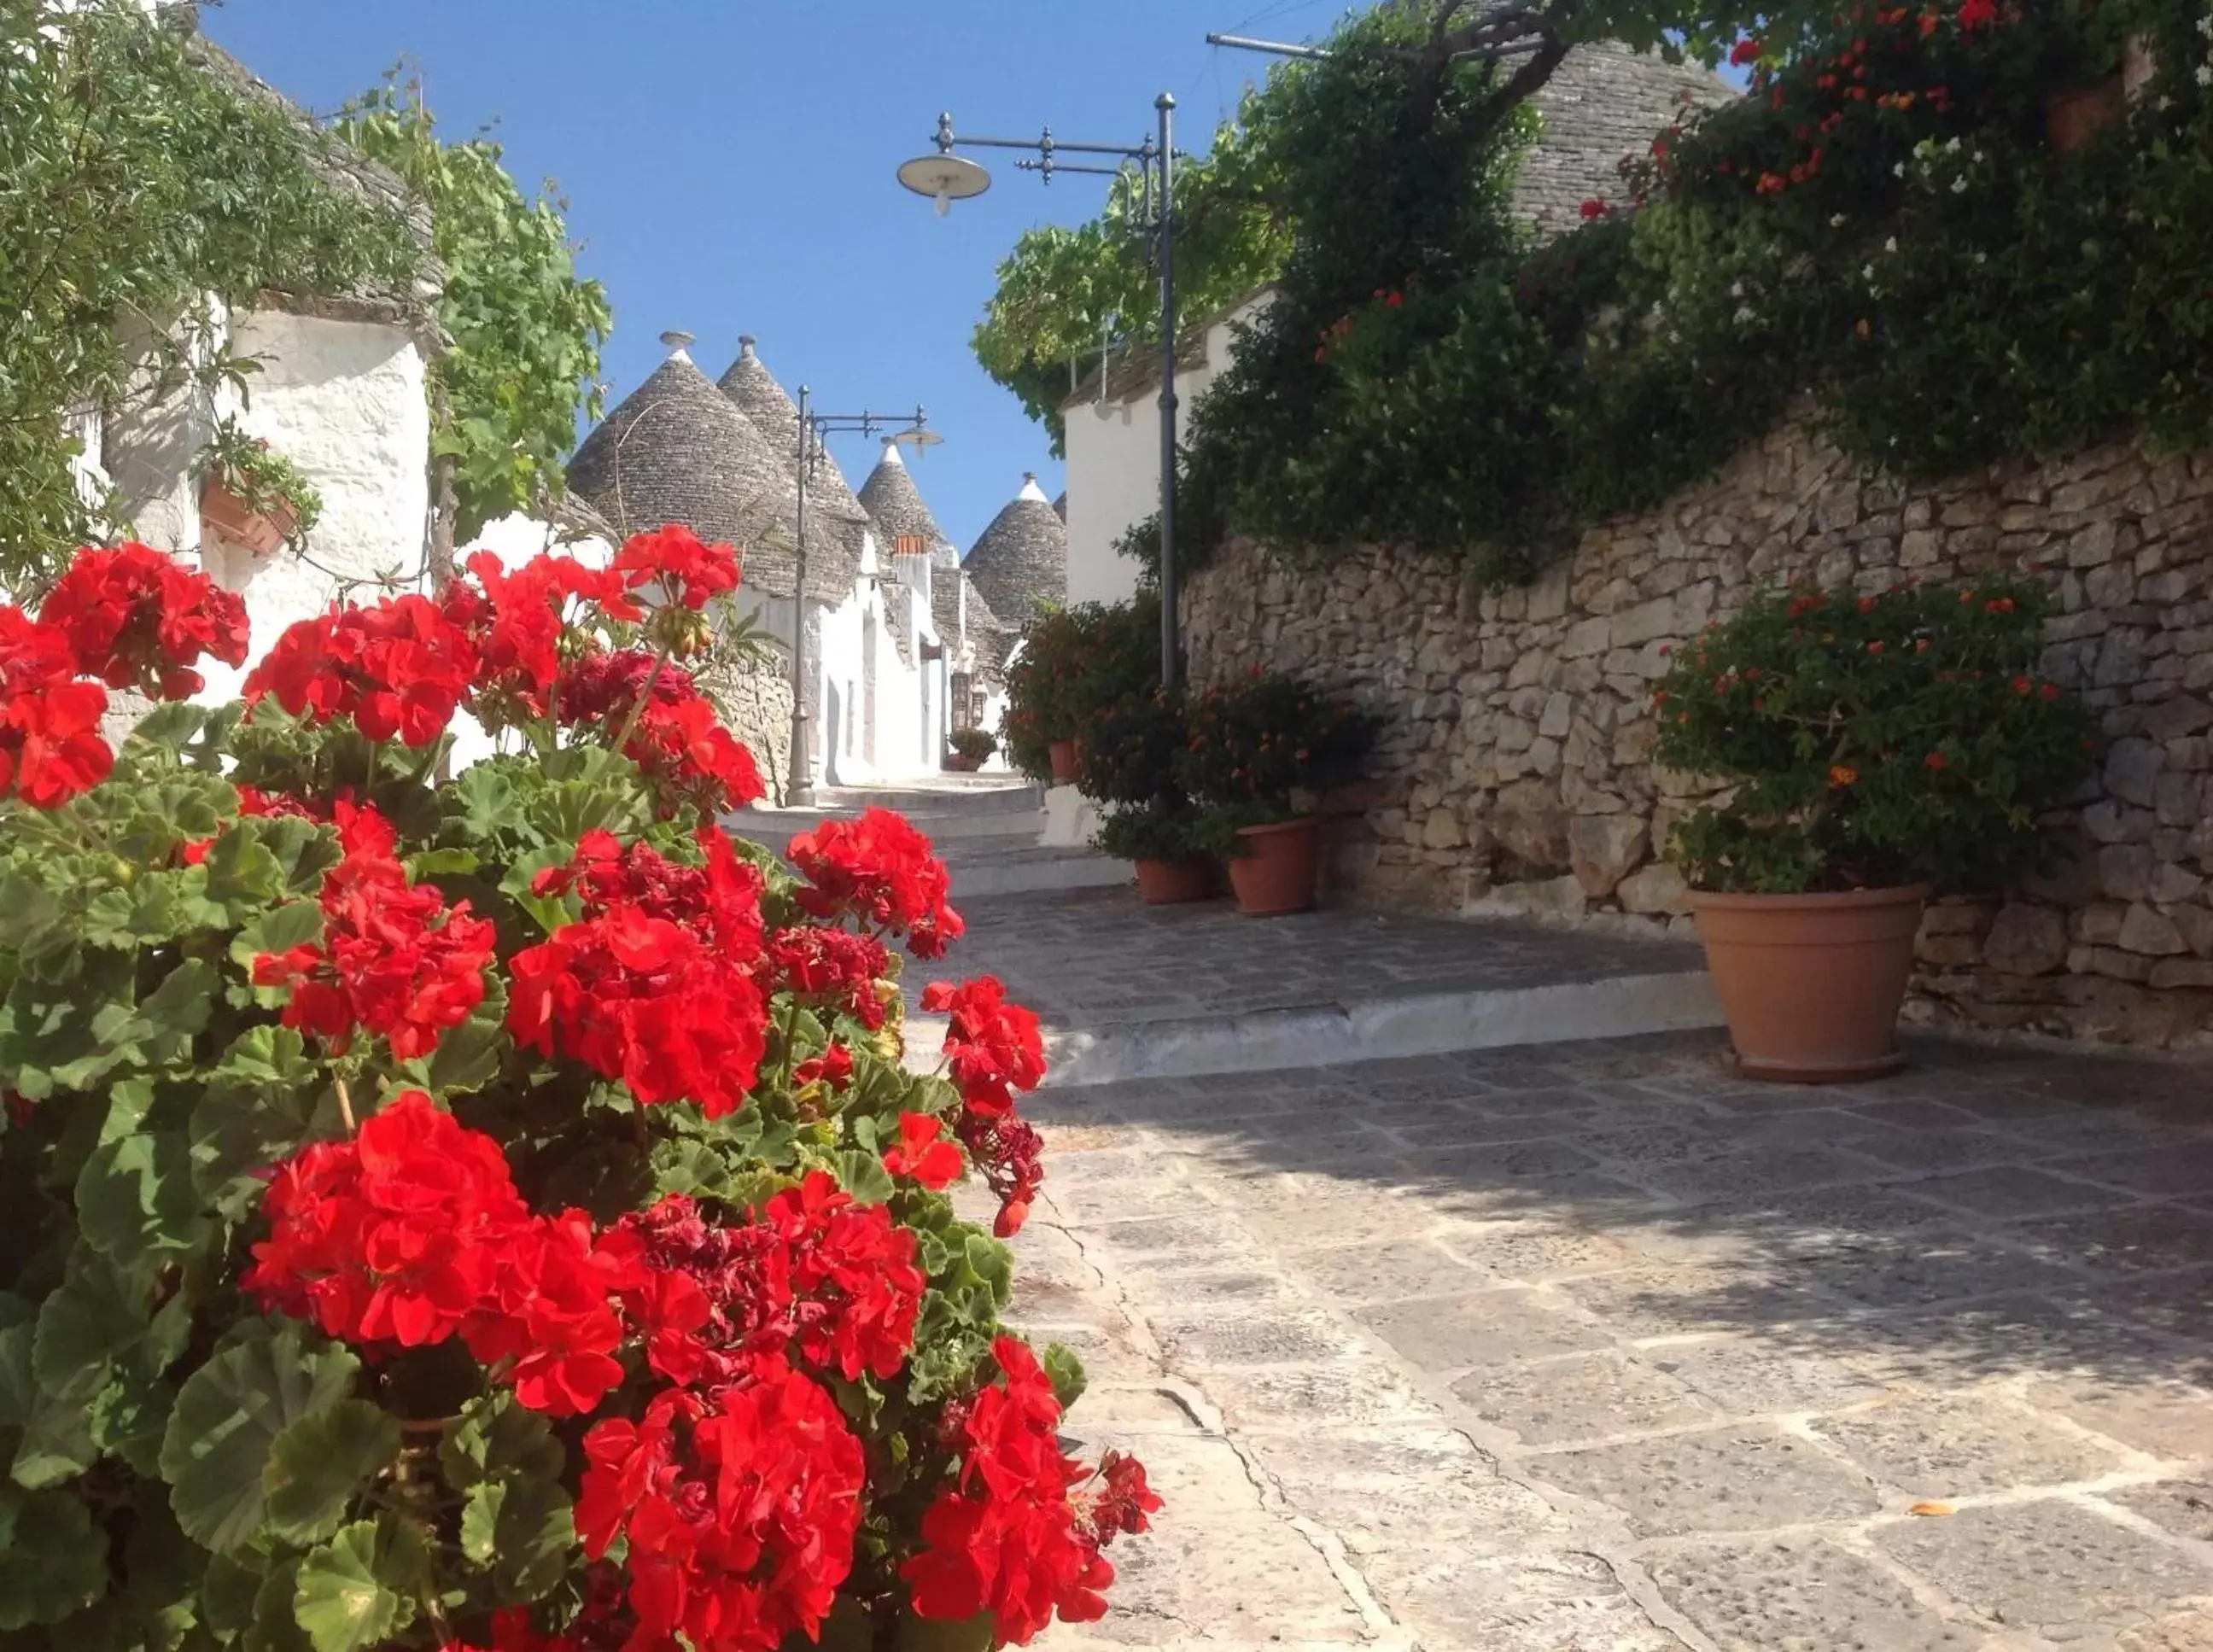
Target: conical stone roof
(895,505)
(1020,564)
(676,450)
(836,519)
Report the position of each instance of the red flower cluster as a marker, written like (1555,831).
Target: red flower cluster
(645,1000)
(922,1153)
(676,738)
(740,1509)
(992,1049)
(400,669)
(1010,1539)
(49,744)
(879,869)
(833,969)
(393,958)
(717,901)
(136,617)
(817,1278)
(687,571)
(514,623)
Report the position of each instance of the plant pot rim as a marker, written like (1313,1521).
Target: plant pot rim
(1892,895)
(1267,828)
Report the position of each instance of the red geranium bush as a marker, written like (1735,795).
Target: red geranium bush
(494,1214)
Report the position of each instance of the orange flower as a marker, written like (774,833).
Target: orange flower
(1935,760)
(2023,687)
(1842,774)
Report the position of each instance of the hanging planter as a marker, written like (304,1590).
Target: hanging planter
(251,495)
(226,516)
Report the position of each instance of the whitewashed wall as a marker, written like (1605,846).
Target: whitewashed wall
(1115,467)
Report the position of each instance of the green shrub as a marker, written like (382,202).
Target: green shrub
(1171,830)
(1872,742)
(1257,743)
(976,743)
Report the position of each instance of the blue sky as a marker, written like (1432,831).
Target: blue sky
(728,166)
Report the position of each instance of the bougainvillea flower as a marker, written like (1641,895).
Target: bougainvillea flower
(137,618)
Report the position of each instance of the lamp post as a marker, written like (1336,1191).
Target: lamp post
(945,177)
(913,428)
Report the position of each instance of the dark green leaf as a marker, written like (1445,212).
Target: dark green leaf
(135,1199)
(357,1591)
(227,1418)
(51,1564)
(499,1437)
(319,1463)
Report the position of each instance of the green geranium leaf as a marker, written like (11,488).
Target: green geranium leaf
(441,862)
(524,1530)
(469,1056)
(170,728)
(96,1318)
(276,1626)
(357,1591)
(130,1418)
(864,1176)
(265,1099)
(51,1564)
(318,1465)
(296,924)
(53,1438)
(135,1199)
(27,911)
(227,1590)
(227,1418)
(499,1437)
(1065,1372)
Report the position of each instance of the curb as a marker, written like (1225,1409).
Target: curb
(1429,1024)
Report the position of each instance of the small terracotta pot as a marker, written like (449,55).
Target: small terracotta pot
(1810,985)
(2070,117)
(1170,883)
(224,513)
(956,763)
(1278,869)
(1063,753)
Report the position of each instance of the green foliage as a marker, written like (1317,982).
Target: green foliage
(1257,742)
(974,743)
(140,187)
(1872,742)
(1164,830)
(525,328)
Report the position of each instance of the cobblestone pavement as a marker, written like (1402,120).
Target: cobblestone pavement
(1096,955)
(1594,1348)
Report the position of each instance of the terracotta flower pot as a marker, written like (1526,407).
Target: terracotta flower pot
(2069,117)
(959,764)
(1278,869)
(1063,753)
(1170,883)
(1810,985)
(224,513)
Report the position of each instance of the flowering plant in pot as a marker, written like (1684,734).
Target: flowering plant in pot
(971,748)
(251,494)
(1040,729)
(1877,747)
(492,1212)
(1129,762)
(1256,749)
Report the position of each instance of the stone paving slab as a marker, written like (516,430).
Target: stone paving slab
(1411,1382)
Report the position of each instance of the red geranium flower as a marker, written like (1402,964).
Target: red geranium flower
(921,1154)
(879,869)
(49,744)
(400,669)
(136,617)
(688,571)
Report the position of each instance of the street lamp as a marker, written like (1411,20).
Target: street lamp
(909,429)
(945,177)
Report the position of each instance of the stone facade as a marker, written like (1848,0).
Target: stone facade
(1515,776)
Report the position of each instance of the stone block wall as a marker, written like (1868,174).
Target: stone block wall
(1515,777)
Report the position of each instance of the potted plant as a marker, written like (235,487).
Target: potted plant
(495,1211)
(1255,751)
(1176,848)
(1039,729)
(1877,748)
(971,748)
(251,495)
(1130,760)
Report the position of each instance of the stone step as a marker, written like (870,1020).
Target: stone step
(982,870)
(1127,991)
(777,827)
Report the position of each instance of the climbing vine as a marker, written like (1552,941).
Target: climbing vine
(525,328)
(144,194)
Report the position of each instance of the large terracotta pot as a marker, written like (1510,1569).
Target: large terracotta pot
(959,762)
(1277,871)
(225,514)
(1811,984)
(1063,753)
(1170,883)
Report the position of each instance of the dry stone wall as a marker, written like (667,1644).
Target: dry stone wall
(1516,774)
